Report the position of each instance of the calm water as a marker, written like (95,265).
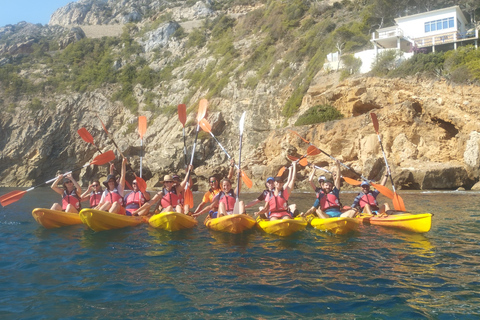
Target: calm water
(136,273)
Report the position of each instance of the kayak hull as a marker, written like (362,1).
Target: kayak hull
(98,220)
(234,223)
(54,218)
(336,225)
(282,227)
(172,221)
(418,223)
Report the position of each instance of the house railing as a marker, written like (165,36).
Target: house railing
(444,38)
(397,32)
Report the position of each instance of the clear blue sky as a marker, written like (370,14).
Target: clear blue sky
(34,11)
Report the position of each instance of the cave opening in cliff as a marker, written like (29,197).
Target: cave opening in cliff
(450,129)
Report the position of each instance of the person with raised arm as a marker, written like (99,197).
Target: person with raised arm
(112,197)
(93,194)
(71,194)
(276,202)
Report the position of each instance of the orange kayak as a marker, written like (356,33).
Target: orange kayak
(54,218)
(233,223)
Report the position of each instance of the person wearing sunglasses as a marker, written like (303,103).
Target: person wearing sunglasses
(169,196)
(135,199)
(93,194)
(71,194)
(112,197)
(213,190)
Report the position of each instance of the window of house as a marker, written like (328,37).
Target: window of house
(439,24)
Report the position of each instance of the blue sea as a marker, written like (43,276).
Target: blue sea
(143,273)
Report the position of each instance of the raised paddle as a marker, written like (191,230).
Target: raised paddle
(236,208)
(311,151)
(142,128)
(207,128)
(305,163)
(16,195)
(182,116)
(202,110)
(397,200)
(141,184)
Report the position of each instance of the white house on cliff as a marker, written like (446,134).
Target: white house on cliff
(443,29)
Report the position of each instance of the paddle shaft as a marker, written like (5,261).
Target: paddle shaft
(386,162)
(185,147)
(194,144)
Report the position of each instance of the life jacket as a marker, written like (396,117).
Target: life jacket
(318,192)
(329,201)
(228,199)
(170,198)
(134,200)
(277,203)
(71,198)
(95,198)
(367,199)
(113,196)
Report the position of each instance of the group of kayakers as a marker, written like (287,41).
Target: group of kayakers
(220,199)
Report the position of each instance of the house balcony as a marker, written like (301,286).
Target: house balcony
(446,38)
(391,38)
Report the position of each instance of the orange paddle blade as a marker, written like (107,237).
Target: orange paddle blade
(103,158)
(202,109)
(189,197)
(281,171)
(292,158)
(205,125)
(142,126)
(398,202)
(300,136)
(11,197)
(375,121)
(182,113)
(246,180)
(313,151)
(384,190)
(85,135)
(141,184)
(303,162)
(351,181)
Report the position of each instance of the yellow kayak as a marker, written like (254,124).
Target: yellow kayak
(101,220)
(282,227)
(54,218)
(234,223)
(336,225)
(418,223)
(172,221)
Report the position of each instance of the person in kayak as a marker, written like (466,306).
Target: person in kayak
(226,199)
(366,200)
(71,194)
(168,196)
(321,180)
(327,204)
(135,199)
(93,194)
(269,185)
(276,202)
(214,190)
(112,197)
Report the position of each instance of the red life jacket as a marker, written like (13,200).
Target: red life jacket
(228,199)
(95,198)
(71,198)
(170,198)
(113,196)
(367,199)
(277,203)
(329,201)
(134,200)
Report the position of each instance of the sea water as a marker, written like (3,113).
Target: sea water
(136,273)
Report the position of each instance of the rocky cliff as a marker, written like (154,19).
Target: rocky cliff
(428,127)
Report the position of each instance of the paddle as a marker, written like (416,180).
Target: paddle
(141,184)
(305,163)
(397,200)
(142,128)
(311,151)
(207,128)
(16,195)
(182,116)
(236,208)
(202,110)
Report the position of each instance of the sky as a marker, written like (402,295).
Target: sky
(34,11)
